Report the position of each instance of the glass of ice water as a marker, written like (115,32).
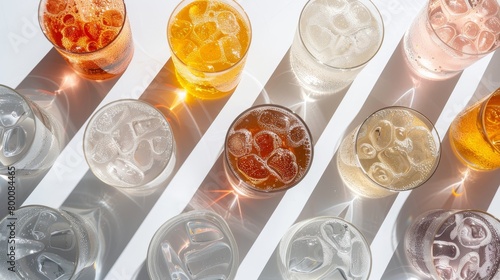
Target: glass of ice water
(324,248)
(30,138)
(193,245)
(335,39)
(129,143)
(448,36)
(39,242)
(395,149)
(455,244)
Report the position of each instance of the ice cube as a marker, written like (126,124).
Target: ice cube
(12,110)
(319,36)
(160,144)
(446,33)
(340,47)
(43,222)
(396,160)
(274,121)
(493,24)
(124,138)
(180,29)
(92,30)
(470,29)
(213,259)
(203,232)
(231,47)
(381,135)
(400,118)
(437,18)
(473,233)
(239,143)
(446,225)
(488,8)
(55,6)
(63,239)
(307,255)
(469,266)
(423,146)
(211,52)
(297,136)
(227,23)
(54,267)
(110,118)
(14,141)
(444,270)
(104,150)
(359,14)
(107,37)
(27,247)
(492,122)
(360,259)
(463,45)
(485,41)
(337,234)
(366,151)
(284,163)
(205,31)
(443,249)
(341,24)
(364,39)
(400,133)
(336,5)
(174,263)
(254,168)
(265,142)
(72,32)
(112,18)
(125,171)
(143,155)
(381,174)
(144,126)
(456,7)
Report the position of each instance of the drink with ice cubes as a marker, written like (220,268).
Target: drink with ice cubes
(194,245)
(209,40)
(335,39)
(455,244)
(394,149)
(324,248)
(94,37)
(475,134)
(448,36)
(268,148)
(30,138)
(129,143)
(49,244)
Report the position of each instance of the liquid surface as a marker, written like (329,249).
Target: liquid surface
(269,148)
(128,143)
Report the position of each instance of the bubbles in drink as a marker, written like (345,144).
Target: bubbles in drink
(128,143)
(324,248)
(268,147)
(193,245)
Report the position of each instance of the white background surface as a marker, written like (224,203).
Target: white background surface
(131,219)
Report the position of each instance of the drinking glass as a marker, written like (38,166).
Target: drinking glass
(268,149)
(30,138)
(194,245)
(394,149)
(94,37)
(209,41)
(324,248)
(475,134)
(448,36)
(454,244)
(40,242)
(129,144)
(334,40)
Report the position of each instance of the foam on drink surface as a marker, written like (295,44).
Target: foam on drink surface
(269,148)
(340,33)
(82,26)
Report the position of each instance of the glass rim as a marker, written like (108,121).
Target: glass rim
(433,132)
(359,65)
(448,213)
(109,105)
(426,10)
(233,4)
(326,218)
(64,50)
(204,214)
(482,117)
(233,172)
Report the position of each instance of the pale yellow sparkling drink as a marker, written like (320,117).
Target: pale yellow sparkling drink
(394,149)
(209,40)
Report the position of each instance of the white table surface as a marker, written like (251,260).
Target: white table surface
(29,64)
